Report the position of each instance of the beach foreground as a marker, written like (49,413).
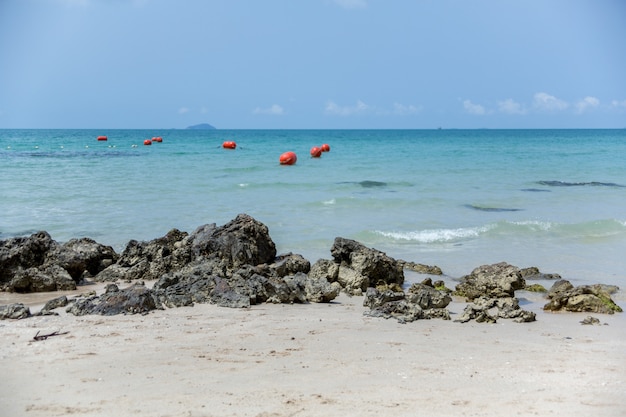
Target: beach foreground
(310,360)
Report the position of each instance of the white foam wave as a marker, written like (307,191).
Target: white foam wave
(534,224)
(329,202)
(437,235)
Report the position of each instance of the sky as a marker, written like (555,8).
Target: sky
(313,64)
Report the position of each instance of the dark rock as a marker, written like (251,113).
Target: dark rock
(533,273)
(290,264)
(491,281)
(584,298)
(390,304)
(80,256)
(242,241)
(427,297)
(14,311)
(21,253)
(590,320)
(53,304)
(420,268)
(136,299)
(223,295)
(42,279)
(149,260)
(361,267)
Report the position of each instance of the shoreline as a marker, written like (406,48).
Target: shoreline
(311,360)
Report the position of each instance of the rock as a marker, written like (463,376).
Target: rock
(242,241)
(589,320)
(136,299)
(290,264)
(192,284)
(535,288)
(533,273)
(491,281)
(80,256)
(42,279)
(584,298)
(391,304)
(53,304)
(223,295)
(361,267)
(420,268)
(325,269)
(149,260)
(21,253)
(488,310)
(559,287)
(14,311)
(427,297)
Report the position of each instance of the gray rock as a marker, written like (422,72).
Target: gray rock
(81,256)
(491,281)
(14,311)
(53,304)
(136,299)
(489,310)
(361,267)
(427,297)
(420,268)
(584,298)
(533,273)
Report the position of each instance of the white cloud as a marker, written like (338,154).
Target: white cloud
(335,109)
(273,110)
(616,104)
(401,109)
(472,108)
(510,106)
(587,103)
(183,110)
(351,4)
(546,102)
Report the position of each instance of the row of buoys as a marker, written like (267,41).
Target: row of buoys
(157,139)
(290,158)
(316,151)
(229,144)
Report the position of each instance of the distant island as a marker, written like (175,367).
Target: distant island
(204,126)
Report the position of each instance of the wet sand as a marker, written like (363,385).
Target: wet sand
(310,360)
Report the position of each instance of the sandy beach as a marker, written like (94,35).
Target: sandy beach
(310,360)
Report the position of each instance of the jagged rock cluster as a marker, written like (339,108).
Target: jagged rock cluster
(236,265)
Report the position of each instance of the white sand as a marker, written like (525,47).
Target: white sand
(310,360)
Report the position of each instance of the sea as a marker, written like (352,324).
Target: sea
(458,199)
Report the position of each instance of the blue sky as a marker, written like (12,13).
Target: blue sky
(283,64)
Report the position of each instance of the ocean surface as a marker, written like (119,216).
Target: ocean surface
(555,199)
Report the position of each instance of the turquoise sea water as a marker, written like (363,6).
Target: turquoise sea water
(458,199)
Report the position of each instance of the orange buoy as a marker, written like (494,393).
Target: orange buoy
(102,138)
(288,158)
(316,152)
(157,139)
(229,144)
(325,147)
(147,142)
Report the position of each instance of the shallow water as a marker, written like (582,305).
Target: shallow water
(454,198)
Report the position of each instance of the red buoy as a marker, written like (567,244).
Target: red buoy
(102,138)
(229,144)
(147,142)
(316,152)
(157,139)
(325,147)
(288,158)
